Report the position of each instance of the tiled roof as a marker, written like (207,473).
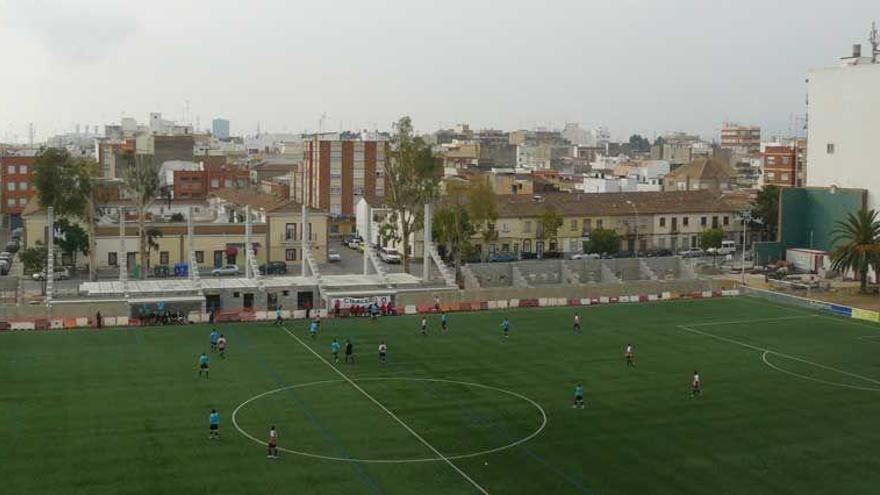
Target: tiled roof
(702,169)
(613,204)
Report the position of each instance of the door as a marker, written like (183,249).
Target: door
(130,261)
(539,248)
(218,259)
(304,298)
(248,300)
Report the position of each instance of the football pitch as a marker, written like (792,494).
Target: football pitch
(791,404)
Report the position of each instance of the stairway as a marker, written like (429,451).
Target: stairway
(645,271)
(447,275)
(377,266)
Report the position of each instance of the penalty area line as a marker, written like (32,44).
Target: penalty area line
(390,413)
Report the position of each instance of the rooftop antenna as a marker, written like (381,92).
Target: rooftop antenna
(874,39)
(321,122)
(31,135)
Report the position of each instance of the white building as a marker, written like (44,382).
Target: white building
(843,115)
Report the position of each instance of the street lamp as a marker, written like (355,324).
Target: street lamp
(746,218)
(636,211)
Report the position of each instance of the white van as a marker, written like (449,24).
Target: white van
(727,247)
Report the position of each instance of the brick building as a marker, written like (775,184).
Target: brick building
(780,166)
(197,184)
(16,180)
(335,174)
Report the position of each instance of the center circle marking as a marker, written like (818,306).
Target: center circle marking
(394,461)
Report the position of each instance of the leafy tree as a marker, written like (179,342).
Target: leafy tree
(73,239)
(660,141)
(141,176)
(603,241)
(67,184)
(711,239)
(177,217)
(412,172)
(857,241)
(34,259)
(467,210)
(766,208)
(549,221)
(152,244)
(639,143)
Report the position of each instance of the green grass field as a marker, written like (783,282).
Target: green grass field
(123,410)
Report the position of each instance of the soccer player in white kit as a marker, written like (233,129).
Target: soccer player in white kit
(696,386)
(383,351)
(577,322)
(629,355)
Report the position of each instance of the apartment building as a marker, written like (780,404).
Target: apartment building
(644,220)
(336,173)
(16,181)
(780,165)
(741,139)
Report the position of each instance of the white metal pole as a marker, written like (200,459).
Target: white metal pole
(248,272)
(367,238)
(50,261)
(304,235)
(426,259)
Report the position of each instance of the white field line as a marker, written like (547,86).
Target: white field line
(393,416)
(817,380)
(757,320)
(788,356)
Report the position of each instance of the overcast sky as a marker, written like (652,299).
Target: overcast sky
(645,66)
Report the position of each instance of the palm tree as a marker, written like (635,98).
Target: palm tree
(858,245)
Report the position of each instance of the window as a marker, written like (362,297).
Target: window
(785,177)
(111,259)
(527,246)
(599,224)
(786,160)
(200,256)
(726,220)
(227,183)
(714,222)
(285,293)
(505,227)
(10,186)
(663,221)
(334,228)
(10,202)
(829,148)
(527,226)
(23,186)
(22,169)
(290,232)
(771,175)
(22,201)
(236,294)
(574,224)
(290,254)
(215,183)
(10,169)
(702,221)
(163,257)
(505,248)
(685,221)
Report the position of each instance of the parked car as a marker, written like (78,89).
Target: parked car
(389,255)
(551,255)
(658,253)
(13,246)
(692,253)
(61,273)
(354,242)
(501,258)
(17,233)
(585,256)
(528,256)
(4,267)
(161,271)
(274,268)
(225,270)
(333,256)
(6,255)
